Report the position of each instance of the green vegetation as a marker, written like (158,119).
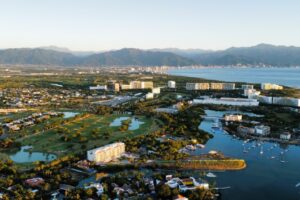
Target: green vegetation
(83,133)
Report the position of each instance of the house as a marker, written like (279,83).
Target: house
(285,136)
(35,182)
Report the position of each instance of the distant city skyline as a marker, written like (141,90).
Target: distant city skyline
(97,25)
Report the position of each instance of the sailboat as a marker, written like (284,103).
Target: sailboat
(261,150)
(245,151)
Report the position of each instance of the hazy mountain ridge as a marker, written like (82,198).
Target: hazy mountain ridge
(257,55)
(121,57)
(262,54)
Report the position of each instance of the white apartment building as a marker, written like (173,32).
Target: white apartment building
(171,84)
(106,153)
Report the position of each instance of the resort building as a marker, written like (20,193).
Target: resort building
(171,84)
(106,153)
(197,86)
(247,87)
(262,130)
(112,85)
(264,99)
(125,87)
(146,84)
(270,86)
(228,86)
(135,85)
(233,118)
(216,86)
(286,101)
(226,101)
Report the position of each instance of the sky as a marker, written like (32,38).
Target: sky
(94,25)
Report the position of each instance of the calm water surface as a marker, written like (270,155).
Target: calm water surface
(25,156)
(283,76)
(264,177)
(134,124)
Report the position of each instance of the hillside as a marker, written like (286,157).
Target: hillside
(262,54)
(120,57)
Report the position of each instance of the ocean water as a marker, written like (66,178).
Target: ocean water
(283,75)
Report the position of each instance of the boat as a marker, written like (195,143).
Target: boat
(272,157)
(245,151)
(211,175)
(297,185)
(261,151)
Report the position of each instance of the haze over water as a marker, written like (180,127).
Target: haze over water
(283,75)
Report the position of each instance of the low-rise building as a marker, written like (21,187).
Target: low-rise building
(149,95)
(251,93)
(156,90)
(285,136)
(106,153)
(233,118)
(286,101)
(243,130)
(98,87)
(262,130)
(226,101)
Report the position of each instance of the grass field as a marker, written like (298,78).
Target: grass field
(51,141)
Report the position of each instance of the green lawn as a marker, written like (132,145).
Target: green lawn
(50,141)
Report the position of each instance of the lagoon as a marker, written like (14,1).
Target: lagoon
(265,177)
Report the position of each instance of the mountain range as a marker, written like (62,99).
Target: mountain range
(262,54)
